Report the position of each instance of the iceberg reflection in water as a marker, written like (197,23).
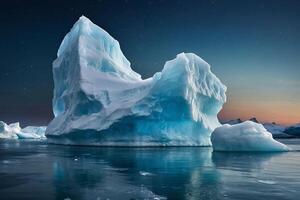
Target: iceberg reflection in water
(39,170)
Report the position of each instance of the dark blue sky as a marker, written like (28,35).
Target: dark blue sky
(252,46)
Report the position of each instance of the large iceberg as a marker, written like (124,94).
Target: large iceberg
(99,100)
(246,136)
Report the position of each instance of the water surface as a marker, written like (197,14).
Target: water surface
(36,170)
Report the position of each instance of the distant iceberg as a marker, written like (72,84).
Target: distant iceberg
(99,100)
(9,131)
(246,136)
(14,131)
(293,130)
(276,130)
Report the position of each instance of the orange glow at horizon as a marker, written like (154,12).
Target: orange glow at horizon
(279,112)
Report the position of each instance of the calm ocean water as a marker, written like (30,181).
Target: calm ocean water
(36,170)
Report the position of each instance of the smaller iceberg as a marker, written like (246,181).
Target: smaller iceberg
(246,136)
(9,131)
(14,131)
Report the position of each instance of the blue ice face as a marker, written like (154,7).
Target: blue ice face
(100,100)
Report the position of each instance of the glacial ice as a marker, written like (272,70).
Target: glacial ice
(246,136)
(14,131)
(99,100)
(9,131)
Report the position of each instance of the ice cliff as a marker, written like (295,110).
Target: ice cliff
(99,100)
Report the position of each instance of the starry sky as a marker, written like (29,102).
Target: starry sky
(253,46)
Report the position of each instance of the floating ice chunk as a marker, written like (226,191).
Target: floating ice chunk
(9,131)
(143,173)
(269,182)
(246,136)
(14,131)
(32,132)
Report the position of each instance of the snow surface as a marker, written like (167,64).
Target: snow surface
(276,129)
(99,100)
(246,136)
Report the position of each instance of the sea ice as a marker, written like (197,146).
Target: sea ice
(99,100)
(246,136)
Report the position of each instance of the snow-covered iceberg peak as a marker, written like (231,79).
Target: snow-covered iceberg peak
(82,53)
(104,55)
(100,100)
